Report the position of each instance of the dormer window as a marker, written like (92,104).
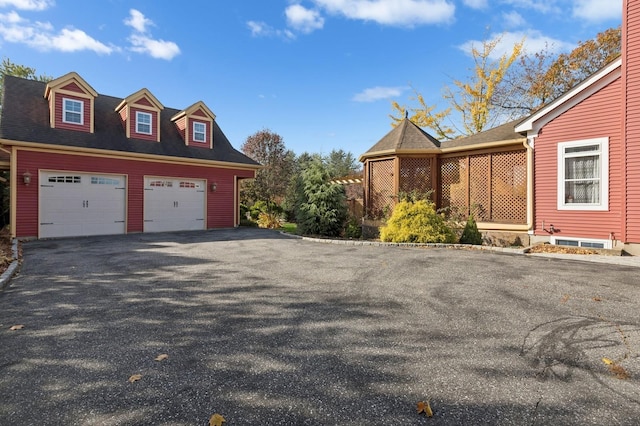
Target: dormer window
(199,131)
(72,111)
(196,125)
(143,123)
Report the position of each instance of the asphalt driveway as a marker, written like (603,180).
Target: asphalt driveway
(266,329)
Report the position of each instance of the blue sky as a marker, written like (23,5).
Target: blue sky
(321,73)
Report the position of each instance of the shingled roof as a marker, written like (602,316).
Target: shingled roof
(25,117)
(405,137)
(502,133)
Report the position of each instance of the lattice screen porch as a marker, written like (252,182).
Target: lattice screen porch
(491,185)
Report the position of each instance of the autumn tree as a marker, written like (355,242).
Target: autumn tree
(424,116)
(471,100)
(540,77)
(270,184)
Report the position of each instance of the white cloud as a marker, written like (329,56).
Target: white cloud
(597,10)
(137,21)
(158,49)
(142,42)
(260,29)
(27,4)
(476,4)
(377,93)
(42,36)
(542,6)
(534,41)
(392,12)
(303,19)
(513,19)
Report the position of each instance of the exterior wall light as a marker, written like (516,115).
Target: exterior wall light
(214,187)
(26,177)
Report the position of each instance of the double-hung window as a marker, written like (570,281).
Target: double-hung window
(143,122)
(199,131)
(583,175)
(72,111)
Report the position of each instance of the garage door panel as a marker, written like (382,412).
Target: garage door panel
(172,204)
(78,204)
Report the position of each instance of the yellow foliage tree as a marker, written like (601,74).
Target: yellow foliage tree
(424,116)
(473,99)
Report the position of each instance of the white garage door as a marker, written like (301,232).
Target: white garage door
(173,204)
(77,204)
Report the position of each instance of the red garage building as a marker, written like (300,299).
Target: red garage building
(82,163)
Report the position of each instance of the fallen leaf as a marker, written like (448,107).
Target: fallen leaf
(425,407)
(135,378)
(161,357)
(16,327)
(216,420)
(597,299)
(619,371)
(607,361)
(565,298)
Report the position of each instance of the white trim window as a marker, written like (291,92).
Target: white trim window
(144,121)
(583,175)
(199,131)
(72,111)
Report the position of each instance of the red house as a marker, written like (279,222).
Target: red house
(586,147)
(82,163)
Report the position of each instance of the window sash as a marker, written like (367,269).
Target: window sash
(72,111)
(199,132)
(583,175)
(143,122)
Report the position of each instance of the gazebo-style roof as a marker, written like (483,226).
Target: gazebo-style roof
(405,138)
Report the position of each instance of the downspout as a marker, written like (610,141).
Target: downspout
(529,144)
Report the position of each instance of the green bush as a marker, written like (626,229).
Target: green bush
(416,222)
(321,205)
(353,229)
(470,233)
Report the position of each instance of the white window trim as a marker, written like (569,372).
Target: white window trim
(204,134)
(64,111)
(606,243)
(603,205)
(140,113)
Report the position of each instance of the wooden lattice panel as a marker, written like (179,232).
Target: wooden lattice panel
(380,188)
(480,187)
(454,182)
(509,187)
(415,175)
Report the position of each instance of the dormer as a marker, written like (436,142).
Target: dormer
(140,115)
(195,124)
(71,103)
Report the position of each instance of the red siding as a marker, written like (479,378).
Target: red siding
(220,204)
(597,116)
(154,125)
(200,113)
(193,142)
(144,101)
(631,123)
(86,126)
(180,124)
(73,87)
